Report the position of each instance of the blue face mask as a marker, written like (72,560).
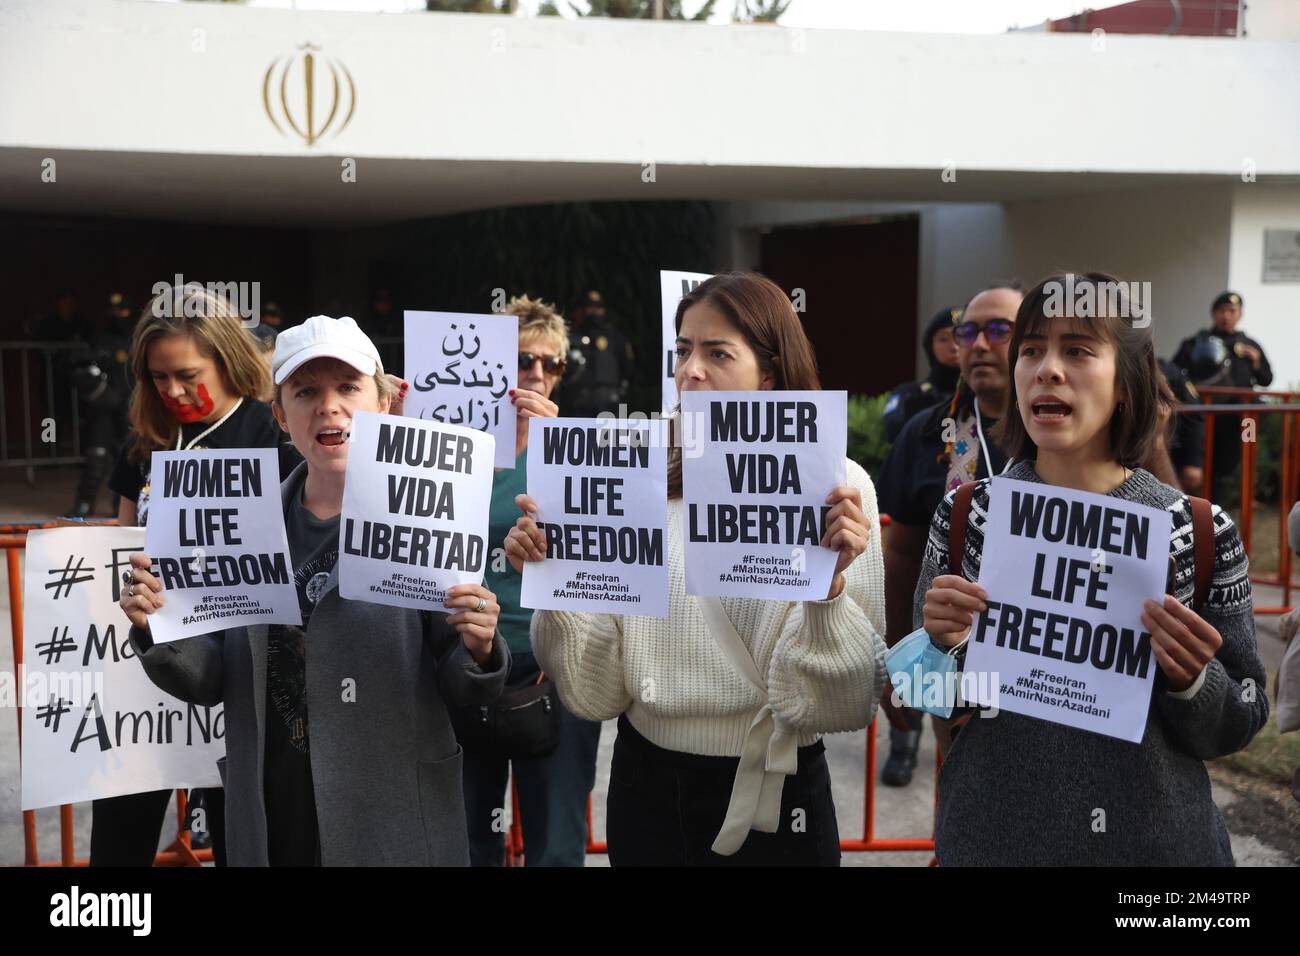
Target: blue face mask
(924,676)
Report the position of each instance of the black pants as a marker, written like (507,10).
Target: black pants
(1226,492)
(103,431)
(666,808)
(126,831)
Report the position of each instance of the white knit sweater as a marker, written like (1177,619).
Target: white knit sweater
(823,660)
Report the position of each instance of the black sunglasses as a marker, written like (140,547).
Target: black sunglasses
(997,330)
(550,364)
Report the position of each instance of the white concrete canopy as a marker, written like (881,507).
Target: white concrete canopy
(160,110)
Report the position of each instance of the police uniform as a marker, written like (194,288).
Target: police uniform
(1240,373)
(604,355)
(935,389)
(1187,446)
(105,378)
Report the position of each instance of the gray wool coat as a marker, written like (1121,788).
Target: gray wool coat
(386,767)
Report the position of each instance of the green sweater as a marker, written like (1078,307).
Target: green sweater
(501,579)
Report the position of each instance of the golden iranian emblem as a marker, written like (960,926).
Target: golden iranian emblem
(313,74)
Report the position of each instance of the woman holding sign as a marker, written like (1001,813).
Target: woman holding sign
(552,789)
(691,782)
(339,747)
(1019,790)
(199,383)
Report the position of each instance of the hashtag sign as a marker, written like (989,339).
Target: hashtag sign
(52,712)
(69,577)
(54,649)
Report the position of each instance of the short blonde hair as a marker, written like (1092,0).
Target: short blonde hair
(539,320)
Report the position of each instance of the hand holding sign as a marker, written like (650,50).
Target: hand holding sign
(401,387)
(530,404)
(525,542)
(847,532)
(950,608)
(142,594)
(478,623)
(1183,641)
(1066,632)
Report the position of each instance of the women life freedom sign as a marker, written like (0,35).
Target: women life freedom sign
(601,487)
(1067,573)
(216,537)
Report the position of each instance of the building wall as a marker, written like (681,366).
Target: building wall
(962,245)
(1190,242)
(188,78)
(1273,19)
(1177,239)
(1271,313)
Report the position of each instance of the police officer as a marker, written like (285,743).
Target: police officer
(103,380)
(937,387)
(268,326)
(1187,444)
(600,355)
(1223,356)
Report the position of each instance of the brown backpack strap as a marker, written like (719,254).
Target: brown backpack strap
(1202,549)
(957,521)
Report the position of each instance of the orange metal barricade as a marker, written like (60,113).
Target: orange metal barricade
(13,539)
(180,853)
(1289,467)
(869,843)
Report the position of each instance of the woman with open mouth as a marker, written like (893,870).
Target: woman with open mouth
(339,746)
(1018,790)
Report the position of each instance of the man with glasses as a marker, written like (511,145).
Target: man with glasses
(937,450)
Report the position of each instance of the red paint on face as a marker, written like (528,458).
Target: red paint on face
(188,414)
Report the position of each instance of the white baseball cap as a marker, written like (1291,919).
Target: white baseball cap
(324,337)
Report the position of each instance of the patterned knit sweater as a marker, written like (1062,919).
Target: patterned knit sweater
(823,660)
(1020,791)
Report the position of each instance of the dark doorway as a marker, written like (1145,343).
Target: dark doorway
(860,286)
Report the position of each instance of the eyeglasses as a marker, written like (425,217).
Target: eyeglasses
(996,330)
(551,365)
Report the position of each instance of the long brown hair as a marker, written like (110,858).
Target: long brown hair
(1135,422)
(762,313)
(218,334)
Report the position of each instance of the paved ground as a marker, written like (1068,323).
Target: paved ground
(906,812)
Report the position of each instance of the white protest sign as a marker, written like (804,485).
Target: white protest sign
(415,510)
(601,488)
(94,725)
(672,286)
(216,537)
(461,367)
(1067,573)
(755,493)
